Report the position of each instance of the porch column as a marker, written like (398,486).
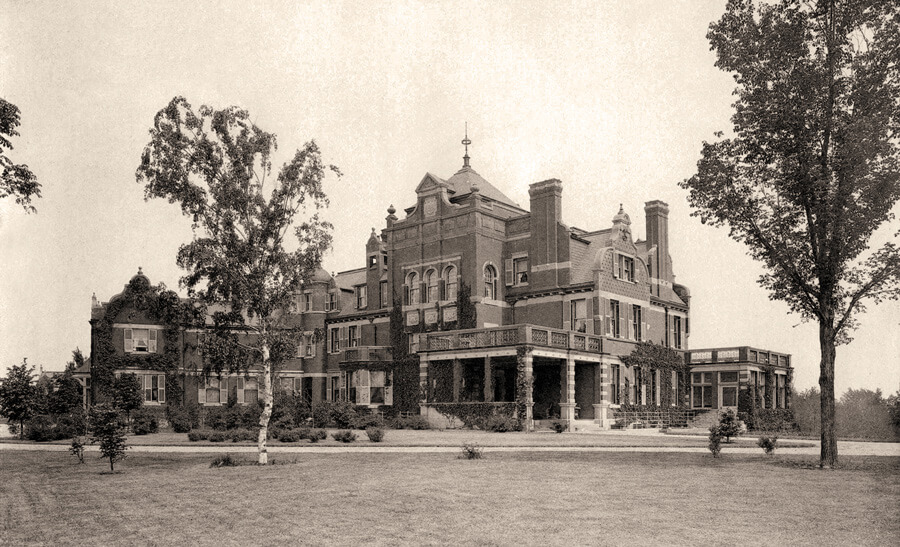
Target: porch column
(457,378)
(567,404)
(602,394)
(529,395)
(488,380)
(423,382)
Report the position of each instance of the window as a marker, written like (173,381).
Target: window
(728,377)
(614,385)
(636,322)
(520,271)
(360,297)
(140,340)
(780,390)
(676,331)
(449,283)
(490,282)
(331,303)
(412,288)
(305,302)
(335,340)
(213,392)
(385,295)
(354,336)
(154,388)
(624,268)
(306,347)
(370,387)
(578,315)
(431,286)
(701,390)
(616,318)
(251,391)
(373,261)
(729,393)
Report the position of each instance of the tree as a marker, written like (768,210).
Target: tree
(248,256)
(17,395)
(813,167)
(15,180)
(65,396)
(108,429)
(127,393)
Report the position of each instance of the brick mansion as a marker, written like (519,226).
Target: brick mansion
(482,301)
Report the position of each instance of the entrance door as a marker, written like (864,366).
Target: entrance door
(584,390)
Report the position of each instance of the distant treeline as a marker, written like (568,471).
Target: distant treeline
(859,414)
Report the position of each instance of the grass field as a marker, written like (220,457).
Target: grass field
(506,498)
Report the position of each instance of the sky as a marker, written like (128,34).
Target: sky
(612,98)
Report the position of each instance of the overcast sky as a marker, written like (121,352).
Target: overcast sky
(613,98)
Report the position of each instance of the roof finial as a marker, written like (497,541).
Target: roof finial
(466,142)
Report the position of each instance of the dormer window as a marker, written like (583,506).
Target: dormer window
(624,268)
(331,303)
(360,297)
(373,261)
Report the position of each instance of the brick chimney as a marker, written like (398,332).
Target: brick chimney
(657,215)
(547,253)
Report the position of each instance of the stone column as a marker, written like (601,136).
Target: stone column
(602,395)
(457,379)
(488,380)
(567,405)
(424,389)
(529,395)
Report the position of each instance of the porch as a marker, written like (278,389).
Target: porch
(554,374)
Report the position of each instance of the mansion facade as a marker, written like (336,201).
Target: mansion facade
(483,301)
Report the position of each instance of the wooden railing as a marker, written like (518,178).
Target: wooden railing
(511,335)
(366,354)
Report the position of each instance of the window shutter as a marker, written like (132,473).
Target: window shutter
(312,345)
(129,343)
(389,395)
(509,271)
(329,394)
(343,337)
(162,389)
(629,320)
(223,390)
(240,390)
(201,390)
(151,344)
(406,294)
(616,263)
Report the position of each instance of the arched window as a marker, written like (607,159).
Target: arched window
(431,286)
(449,283)
(412,288)
(490,282)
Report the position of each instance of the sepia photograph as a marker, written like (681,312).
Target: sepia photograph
(581,272)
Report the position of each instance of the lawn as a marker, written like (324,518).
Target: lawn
(505,498)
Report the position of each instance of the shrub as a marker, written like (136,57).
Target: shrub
(501,424)
(715,440)
(143,423)
(470,451)
(77,448)
(71,424)
(729,425)
(767,443)
(290,436)
(40,428)
(316,435)
(365,420)
(198,435)
(180,419)
(217,437)
(375,434)
(343,415)
(412,422)
(321,415)
(224,461)
(344,436)
(242,434)
(560,427)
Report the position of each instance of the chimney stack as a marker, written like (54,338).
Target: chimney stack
(657,215)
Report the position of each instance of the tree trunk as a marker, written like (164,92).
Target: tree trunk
(828,455)
(267,407)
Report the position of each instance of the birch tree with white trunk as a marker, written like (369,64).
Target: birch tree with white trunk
(257,236)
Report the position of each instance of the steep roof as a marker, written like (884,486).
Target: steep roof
(461,183)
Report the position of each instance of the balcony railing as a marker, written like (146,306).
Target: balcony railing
(361,354)
(511,335)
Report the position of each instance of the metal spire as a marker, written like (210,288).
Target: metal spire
(466,142)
